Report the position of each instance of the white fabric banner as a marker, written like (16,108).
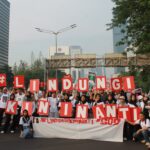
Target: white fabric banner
(77,129)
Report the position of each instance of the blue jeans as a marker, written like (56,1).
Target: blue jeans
(143,135)
(27,133)
(146,135)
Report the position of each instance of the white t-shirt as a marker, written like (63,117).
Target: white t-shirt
(3,100)
(53,104)
(20,98)
(143,124)
(26,123)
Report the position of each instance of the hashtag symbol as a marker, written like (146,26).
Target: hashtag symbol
(2,79)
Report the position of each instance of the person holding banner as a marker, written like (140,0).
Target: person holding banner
(97,100)
(8,118)
(53,105)
(132,102)
(122,101)
(64,98)
(43,97)
(26,125)
(19,97)
(83,100)
(3,101)
(110,99)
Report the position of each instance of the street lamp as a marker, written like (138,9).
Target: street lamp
(56,33)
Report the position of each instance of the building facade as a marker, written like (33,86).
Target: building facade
(4,32)
(117,36)
(65,51)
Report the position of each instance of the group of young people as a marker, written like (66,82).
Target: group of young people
(138,131)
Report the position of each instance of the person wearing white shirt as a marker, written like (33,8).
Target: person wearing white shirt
(144,131)
(43,97)
(53,106)
(20,97)
(3,101)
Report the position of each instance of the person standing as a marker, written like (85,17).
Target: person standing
(53,106)
(3,101)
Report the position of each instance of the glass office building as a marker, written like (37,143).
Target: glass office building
(4,31)
(117,36)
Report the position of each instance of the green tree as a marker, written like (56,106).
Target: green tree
(9,75)
(135,14)
(35,71)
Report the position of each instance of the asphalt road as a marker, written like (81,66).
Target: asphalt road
(13,142)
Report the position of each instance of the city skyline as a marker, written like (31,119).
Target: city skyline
(91,18)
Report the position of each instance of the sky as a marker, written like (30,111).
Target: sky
(91,17)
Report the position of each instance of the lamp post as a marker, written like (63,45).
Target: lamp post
(56,33)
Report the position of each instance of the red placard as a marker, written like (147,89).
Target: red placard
(2,80)
(101,83)
(67,84)
(27,106)
(66,109)
(19,81)
(128,83)
(135,113)
(116,84)
(124,113)
(52,85)
(83,84)
(42,84)
(43,108)
(11,107)
(111,110)
(81,111)
(99,112)
(34,85)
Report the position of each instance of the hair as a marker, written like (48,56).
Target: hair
(142,113)
(130,98)
(83,96)
(13,96)
(25,111)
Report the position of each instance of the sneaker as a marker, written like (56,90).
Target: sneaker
(125,139)
(12,131)
(148,146)
(147,143)
(143,141)
(2,132)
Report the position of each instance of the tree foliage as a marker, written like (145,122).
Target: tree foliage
(35,71)
(135,15)
(9,75)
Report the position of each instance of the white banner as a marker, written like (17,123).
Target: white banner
(78,129)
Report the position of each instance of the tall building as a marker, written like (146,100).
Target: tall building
(4,31)
(117,36)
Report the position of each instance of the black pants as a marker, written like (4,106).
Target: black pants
(128,131)
(1,115)
(7,122)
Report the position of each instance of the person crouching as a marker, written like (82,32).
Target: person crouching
(26,125)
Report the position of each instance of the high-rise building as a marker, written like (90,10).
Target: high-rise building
(4,31)
(117,37)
